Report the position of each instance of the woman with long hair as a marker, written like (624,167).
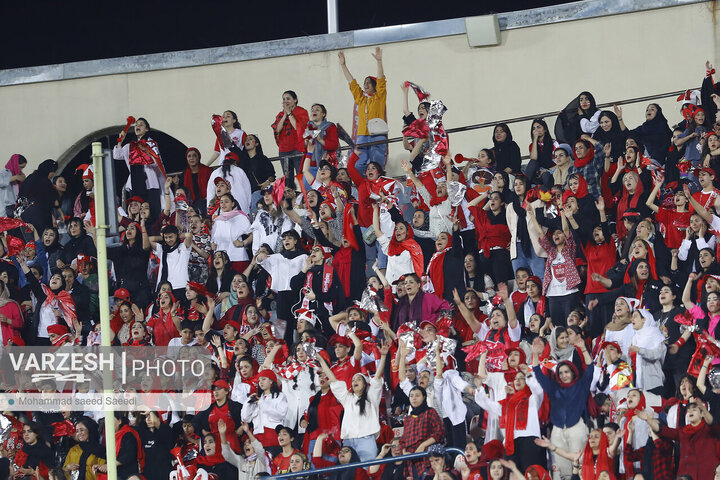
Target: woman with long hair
(87,452)
(258,168)
(131,263)
(360,422)
(423,427)
(229,233)
(324,412)
(157,440)
(266,409)
(541,154)
(11,316)
(36,452)
(195,177)
(231,125)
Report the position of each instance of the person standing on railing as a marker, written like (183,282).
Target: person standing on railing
(289,129)
(369,115)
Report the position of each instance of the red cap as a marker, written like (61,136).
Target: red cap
(193,149)
(31,245)
(232,156)
(341,340)
(709,171)
(611,344)
(428,322)
(221,384)
(122,293)
(523,357)
(134,199)
(58,329)
(536,280)
(220,179)
(234,324)
(269,374)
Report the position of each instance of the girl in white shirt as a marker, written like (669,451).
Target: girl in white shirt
(267,410)
(228,229)
(360,424)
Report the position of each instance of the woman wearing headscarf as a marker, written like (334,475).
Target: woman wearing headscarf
(611,131)
(647,349)
(580,115)
(423,427)
(258,168)
(416,306)
(38,190)
(404,253)
(35,453)
(11,317)
(519,418)
(55,305)
(654,133)
(507,152)
(596,457)
(11,177)
(196,177)
(87,452)
(567,389)
(229,233)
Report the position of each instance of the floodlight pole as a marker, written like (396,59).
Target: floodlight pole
(104,297)
(332,15)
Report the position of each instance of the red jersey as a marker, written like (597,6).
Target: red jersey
(345,370)
(518,297)
(675,224)
(281,463)
(706,199)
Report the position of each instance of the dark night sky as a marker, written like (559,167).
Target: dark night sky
(46,32)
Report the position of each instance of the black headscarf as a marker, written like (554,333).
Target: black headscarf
(615,135)
(656,135)
(567,126)
(423,407)
(507,153)
(91,446)
(37,184)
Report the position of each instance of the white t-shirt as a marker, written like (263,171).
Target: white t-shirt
(177,262)
(558,285)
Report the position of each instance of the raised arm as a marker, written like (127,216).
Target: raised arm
(465,312)
(376,220)
(147,244)
(407,168)
(509,308)
(384,349)
(653,194)
(326,369)
(378,58)
(707,216)
(686,292)
(346,72)
(406,109)
(357,354)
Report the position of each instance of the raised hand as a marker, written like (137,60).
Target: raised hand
(618,111)
(600,204)
(377,55)
(341,57)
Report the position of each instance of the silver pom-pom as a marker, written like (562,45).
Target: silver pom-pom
(447,348)
(435,113)
(456,193)
(369,301)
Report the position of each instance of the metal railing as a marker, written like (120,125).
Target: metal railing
(367,463)
(526,118)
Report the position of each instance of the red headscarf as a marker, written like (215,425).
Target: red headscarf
(514,415)
(603,464)
(581,162)
(213,459)
(628,418)
(626,202)
(409,245)
(435,268)
(582,190)
(541,472)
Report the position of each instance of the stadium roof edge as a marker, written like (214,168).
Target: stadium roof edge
(326,42)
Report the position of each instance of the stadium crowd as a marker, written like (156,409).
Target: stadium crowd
(555,319)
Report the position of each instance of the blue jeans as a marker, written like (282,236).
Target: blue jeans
(365,447)
(375,153)
(533,262)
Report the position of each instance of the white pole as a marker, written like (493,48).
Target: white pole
(332,14)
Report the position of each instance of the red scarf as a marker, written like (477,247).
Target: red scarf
(343,266)
(326,278)
(203,174)
(582,162)
(348,225)
(628,418)
(213,459)
(489,235)
(591,467)
(64,302)
(514,415)
(692,430)
(409,245)
(582,190)
(435,269)
(625,203)
(142,152)
(127,430)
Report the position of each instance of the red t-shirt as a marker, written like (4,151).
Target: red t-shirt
(281,463)
(706,199)
(675,225)
(345,370)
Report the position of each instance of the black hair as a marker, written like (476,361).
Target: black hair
(147,124)
(236,123)
(372,80)
(258,145)
(505,128)
(169,229)
(235,203)
(524,269)
(593,105)
(380,169)
(187,324)
(425,105)
(311,371)
(363,400)
(322,107)
(291,93)
(575,328)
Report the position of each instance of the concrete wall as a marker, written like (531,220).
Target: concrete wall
(533,70)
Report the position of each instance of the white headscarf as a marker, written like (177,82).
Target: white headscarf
(648,337)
